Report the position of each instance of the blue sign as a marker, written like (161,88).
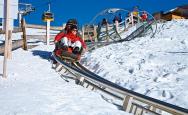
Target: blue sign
(13,9)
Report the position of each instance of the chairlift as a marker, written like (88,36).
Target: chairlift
(47,16)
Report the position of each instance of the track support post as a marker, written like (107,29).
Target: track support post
(127,103)
(58,67)
(152,108)
(80,80)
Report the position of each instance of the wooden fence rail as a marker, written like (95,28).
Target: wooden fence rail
(43,27)
(15,30)
(16,44)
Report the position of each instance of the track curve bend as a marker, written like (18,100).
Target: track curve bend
(132,102)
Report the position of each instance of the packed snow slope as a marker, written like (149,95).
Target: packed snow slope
(156,67)
(32,87)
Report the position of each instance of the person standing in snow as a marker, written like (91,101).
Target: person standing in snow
(116,19)
(144,16)
(120,18)
(135,14)
(116,22)
(104,22)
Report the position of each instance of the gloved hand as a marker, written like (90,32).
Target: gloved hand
(76,50)
(64,48)
(84,50)
(57,45)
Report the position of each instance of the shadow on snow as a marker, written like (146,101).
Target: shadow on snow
(43,54)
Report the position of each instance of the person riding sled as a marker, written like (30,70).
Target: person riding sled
(67,42)
(60,35)
(72,45)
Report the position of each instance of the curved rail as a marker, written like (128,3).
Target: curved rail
(130,98)
(111,12)
(133,35)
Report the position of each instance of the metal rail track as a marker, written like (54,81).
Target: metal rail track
(132,102)
(132,36)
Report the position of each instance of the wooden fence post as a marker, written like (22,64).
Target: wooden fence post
(24,34)
(83,36)
(107,34)
(132,19)
(95,33)
(9,55)
(117,25)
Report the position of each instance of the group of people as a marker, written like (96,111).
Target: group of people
(69,41)
(116,18)
(137,16)
(133,16)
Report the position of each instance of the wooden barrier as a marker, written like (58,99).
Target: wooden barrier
(16,44)
(15,30)
(44,27)
(40,37)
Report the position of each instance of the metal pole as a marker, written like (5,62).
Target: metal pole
(48,32)
(49,7)
(20,18)
(7,22)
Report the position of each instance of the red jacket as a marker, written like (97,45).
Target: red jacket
(71,37)
(59,36)
(75,38)
(144,16)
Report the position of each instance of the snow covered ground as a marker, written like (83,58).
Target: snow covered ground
(32,87)
(156,67)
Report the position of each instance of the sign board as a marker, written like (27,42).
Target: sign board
(13,9)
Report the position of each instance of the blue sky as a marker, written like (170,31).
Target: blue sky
(85,10)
